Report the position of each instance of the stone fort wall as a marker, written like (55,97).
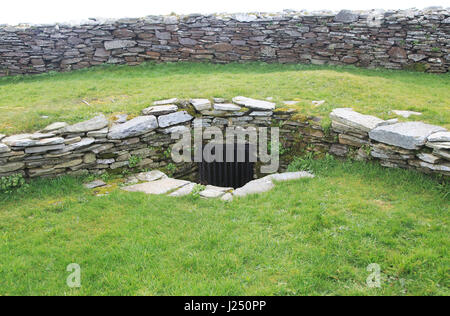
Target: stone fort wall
(409,39)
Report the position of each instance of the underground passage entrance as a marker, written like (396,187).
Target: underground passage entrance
(232,167)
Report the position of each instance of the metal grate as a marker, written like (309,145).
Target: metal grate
(228,174)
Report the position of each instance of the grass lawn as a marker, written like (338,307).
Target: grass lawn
(115,89)
(306,237)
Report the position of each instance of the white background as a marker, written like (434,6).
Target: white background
(48,11)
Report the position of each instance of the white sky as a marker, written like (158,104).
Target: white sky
(49,11)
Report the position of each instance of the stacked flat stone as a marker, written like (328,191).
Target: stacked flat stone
(412,39)
(409,145)
(99,145)
(102,145)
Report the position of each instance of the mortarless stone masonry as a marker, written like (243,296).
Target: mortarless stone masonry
(411,39)
(98,145)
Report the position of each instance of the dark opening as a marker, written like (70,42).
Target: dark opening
(226,173)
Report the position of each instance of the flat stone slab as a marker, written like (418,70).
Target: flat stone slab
(174,119)
(406,114)
(160,109)
(135,127)
(287,176)
(227,197)
(4,149)
(151,176)
(201,104)
(255,186)
(180,129)
(98,122)
(439,145)
(13,166)
(166,102)
(221,189)
(226,107)
(442,167)
(254,104)
(2,136)
(12,140)
(442,153)
(183,191)
(357,121)
(439,137)
(162,186)
(428,158)
(346,16)
(38,136)
(116,44)
(42,149)
(94,184)
(55,126)
(261,113)
(409,135)
(83,143)
(98,134)
(211,194)
(291,103)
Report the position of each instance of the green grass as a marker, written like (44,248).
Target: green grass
(306,237)
(115,89)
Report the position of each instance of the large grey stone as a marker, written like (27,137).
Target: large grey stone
(17,139)
(201,104)
(4,149)
(442,153)
(83,143)
(98,122)
(50,141)
(151,176)
(409,135)
(255,186)
(346,16)
(160,109)
(38,136)
(287,176)
(42,149)
(10,167)
(183,191)
(356,121)
(2,136)
(109,45)
(211,193)
(94,184)
(436,167)
(438,145)
(439,137)
(180,129)
(55,126)
(135,127)
(166,102)
(261,113)
(428,157)
(161,186)
(98,134)
(174,119)
(254,104)
(226,107)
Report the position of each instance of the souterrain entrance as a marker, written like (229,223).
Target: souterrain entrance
(232,167)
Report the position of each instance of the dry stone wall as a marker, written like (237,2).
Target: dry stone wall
(408,39)
(119,144)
